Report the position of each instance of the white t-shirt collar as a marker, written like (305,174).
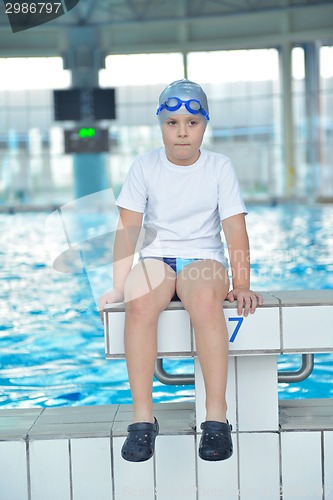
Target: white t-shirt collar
(182,168)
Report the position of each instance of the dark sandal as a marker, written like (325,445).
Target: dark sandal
(215,443)
(140,442)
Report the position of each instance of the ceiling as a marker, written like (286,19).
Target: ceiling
(111,12)
(132,26)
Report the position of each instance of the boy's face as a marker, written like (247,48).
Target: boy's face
(182,137)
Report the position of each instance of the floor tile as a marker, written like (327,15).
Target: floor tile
(58,431)
(50,469)
(13,471)
(218,480)
(257,409)
(175,467)
(301,465)
(132,480)
(259,466)
(91,469)
(328,464)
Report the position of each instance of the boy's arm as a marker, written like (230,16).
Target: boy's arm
(234,229)
(127,234)
(126,238)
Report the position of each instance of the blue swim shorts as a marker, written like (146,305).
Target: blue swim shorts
(176,263)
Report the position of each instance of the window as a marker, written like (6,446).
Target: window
(26,161)
(244,104)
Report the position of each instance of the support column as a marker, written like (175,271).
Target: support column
(84,60)
(312,96)
(287,118)
(90,174)
(83,56)
(183,33)
(185,65)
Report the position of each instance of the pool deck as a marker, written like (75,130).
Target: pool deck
(283,450)
(74,453)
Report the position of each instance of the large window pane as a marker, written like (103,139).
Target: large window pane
(244,100)
(23,73)
(28,166)
(314,174)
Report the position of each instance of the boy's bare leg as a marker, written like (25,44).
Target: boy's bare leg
(148,290)
(202,287)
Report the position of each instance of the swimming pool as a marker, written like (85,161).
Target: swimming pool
(51,337)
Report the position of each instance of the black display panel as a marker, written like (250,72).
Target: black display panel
(84,104)
(67,104)
(104,104)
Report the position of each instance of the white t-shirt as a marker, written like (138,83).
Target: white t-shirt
(183,205)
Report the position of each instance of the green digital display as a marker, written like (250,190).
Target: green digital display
(86,140)
(85,133)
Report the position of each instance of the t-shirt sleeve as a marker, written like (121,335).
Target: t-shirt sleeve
(133,194)
(230,197)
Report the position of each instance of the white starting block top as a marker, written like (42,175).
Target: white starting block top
(289,321)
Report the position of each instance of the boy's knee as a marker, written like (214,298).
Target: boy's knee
(202,299)
(142,306)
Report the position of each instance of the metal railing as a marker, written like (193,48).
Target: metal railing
(172,378)
(297,376)
(188,378)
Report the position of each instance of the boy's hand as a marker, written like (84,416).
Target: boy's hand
(246,299)
(109,298)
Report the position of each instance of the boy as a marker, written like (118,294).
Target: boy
(184,193)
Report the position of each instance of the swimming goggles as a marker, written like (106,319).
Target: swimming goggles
(193,106)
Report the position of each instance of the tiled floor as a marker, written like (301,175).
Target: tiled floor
(89,421)
(74,454)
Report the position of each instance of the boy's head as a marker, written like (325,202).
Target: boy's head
(183,97)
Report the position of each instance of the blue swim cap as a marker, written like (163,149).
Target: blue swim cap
(182,97)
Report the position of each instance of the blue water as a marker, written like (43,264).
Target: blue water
(51,337)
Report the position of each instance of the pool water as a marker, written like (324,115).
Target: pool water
(51,336)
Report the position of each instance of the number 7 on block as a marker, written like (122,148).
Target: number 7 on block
(239,321)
